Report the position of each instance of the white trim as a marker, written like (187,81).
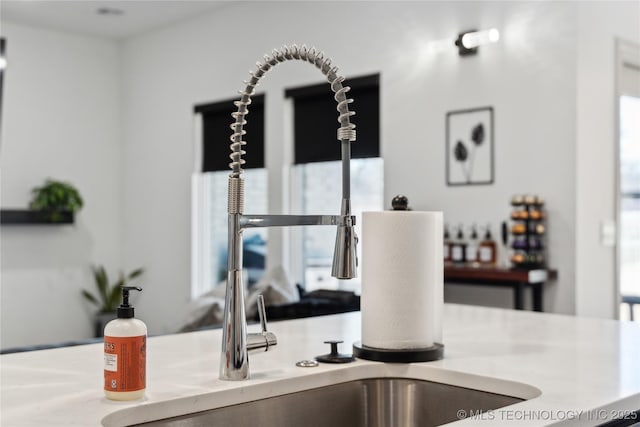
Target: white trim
(200,221)
(197,143)
(292,236)
(200,235)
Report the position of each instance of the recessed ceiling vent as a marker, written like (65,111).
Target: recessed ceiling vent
(109,11)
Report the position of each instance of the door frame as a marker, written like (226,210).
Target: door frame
(627,55)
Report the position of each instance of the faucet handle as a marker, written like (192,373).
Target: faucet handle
(264,340)
(262,313)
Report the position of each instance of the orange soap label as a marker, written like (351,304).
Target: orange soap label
(125,363)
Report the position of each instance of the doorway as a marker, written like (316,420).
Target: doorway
(628,254)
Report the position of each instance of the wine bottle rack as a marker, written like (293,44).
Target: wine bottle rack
(528,232)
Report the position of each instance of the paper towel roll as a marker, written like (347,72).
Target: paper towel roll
(402,279)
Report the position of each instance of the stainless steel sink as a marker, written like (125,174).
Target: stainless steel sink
(375,402)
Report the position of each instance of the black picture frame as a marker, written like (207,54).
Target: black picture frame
(469,155)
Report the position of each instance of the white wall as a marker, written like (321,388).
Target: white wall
(600,23)
(60,120)
(529,77)
(137,187)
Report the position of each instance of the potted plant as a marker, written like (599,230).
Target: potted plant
(56,198)
(108,296)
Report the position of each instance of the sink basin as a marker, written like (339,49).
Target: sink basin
(372,402)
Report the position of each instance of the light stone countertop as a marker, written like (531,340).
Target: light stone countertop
(566,366)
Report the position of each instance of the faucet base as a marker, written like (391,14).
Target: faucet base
(234,363)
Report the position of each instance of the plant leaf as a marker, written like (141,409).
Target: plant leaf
(121,279)
(56,196)
(110,296)
(477,134)
(460,152)
(135,273)
(90,297)
(114,298)
(102,282)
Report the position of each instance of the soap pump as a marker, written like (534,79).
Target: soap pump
(125,353)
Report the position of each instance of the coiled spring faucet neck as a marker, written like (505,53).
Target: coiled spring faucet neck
(234,363)
(346,132)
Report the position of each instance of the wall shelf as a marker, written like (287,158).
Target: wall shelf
(27,217)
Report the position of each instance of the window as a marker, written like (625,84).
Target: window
(209,183)
(318,187)
(316,183)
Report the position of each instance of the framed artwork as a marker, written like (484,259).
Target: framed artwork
(469,155)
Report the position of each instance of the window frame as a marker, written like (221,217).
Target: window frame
(203,279)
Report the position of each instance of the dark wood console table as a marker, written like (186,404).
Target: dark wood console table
(518,280)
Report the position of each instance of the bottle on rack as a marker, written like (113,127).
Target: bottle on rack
(487,251)
(518,258)
(446,250)
(471,253)
(519,229)
(458,247)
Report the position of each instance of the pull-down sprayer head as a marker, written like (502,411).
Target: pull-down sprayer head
(345,260)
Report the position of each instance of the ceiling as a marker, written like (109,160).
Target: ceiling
(81,16)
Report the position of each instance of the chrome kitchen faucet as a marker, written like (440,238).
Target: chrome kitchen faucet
(234,362)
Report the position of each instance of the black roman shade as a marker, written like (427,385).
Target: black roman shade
(216,119)
(316,120)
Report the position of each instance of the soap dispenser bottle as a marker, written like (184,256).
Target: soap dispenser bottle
(125,353)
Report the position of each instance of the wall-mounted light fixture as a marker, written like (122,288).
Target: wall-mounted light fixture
(469,41)
(3,59)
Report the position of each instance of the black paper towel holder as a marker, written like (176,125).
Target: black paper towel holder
(409,355)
